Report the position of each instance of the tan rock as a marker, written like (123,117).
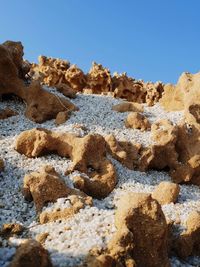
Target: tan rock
(40,104)
(188,243)
(6,113)
(32,254)
(62,117)
(137,121)
(166,192)
(128,106)
(44,186)
(88,154)
(41,238)
(10,229)
(142,231)
(125,152)
(76,78)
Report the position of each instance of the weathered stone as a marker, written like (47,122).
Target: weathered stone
(137,121)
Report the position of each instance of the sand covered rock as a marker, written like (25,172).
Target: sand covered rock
(125,152)
(188,243)
(32,254)
(6,113)
(137,121)
(166,192)
(87,153)
(128,106)
(141,231)
(40,104)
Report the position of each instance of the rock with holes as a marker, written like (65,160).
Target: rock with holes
(88,154)
(166,193)
(31,253)
(136,120)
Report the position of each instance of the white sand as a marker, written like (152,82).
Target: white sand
(70,240)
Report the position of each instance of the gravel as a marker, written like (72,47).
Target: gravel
(69,241)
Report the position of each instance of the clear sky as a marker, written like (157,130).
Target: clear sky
(149,39)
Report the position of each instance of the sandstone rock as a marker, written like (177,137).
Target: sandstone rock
(128,106)
(6,113)
(188,243)
(44,186)
(142,231)
(125,152)
(137,121)
(87,153)
(62,117)
(99,79)
(76,78)
(40,104)
(9,229)
(166,192)
(41,238)
(31,254)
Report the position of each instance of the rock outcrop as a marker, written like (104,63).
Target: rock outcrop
(166,193)
(40,104)
(141,232)
(31,253)
(136,120)
(88,155)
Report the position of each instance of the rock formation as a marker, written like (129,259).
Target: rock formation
(188,243)
(141,232)
(166,192)
(32,254)
(136,120)
(88,155)
(40,104)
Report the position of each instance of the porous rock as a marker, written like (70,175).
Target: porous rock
(31,253)
(137,121)
(142,231)
(40,104)
(166,192)
(125,152)
(87,153)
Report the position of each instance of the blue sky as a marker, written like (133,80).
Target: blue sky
(149,39)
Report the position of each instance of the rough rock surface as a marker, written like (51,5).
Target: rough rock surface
(9,229)
(188,243)
(128,106)
(137,121)
(6,113)
(40,104)
(44,186)
(31,253)
(141,231)
(88,155)
(166,192)
(125,152)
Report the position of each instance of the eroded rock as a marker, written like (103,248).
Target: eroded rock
(142,231)
(87,153)
(166,192)
(137,121)
(128,106)
(32,254)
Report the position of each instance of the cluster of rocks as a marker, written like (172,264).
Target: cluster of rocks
(69,78)
(143,236)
